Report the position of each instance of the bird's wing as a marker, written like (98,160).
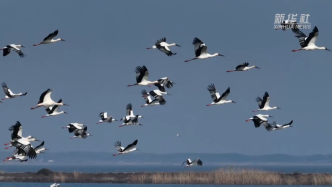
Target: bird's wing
(160,87)
(242,65)
(311,40)
(6,90)
(161,100)
(45,96)
(141,73)
(130,146)
(39,146)
(102,116)
(288,123)
(198,162)
(6,51)
(118,146)
(51,36)
(159,41)
(301,36)
(17,130)
(165,50)
(213,92)
(165,81)
(225,94)
(266,100)
(259,101)
(145,73)
(20,53)
(129,109)
(267,126)
(197,46)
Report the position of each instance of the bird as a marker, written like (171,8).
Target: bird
(163,46)
(121,150)
(49,39)
(264,104)
(53,110)
(73,126)
(16,134)
(159,100)
(260,116)
(165,81)
(196,162)
(157,92)
(38,148)
(55,185)
(14,47)
(257,121)
(287,24)
(129,114)
(268,126)
(20,154)
(217,99)
(243,67)
(81,133)
(9,93)
(142,75)
(46,101)
(24,145)
(21,158)
(105,118)
(280,127)
(200,50)
(308,43)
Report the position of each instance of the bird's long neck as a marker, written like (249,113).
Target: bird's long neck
(56,40)
(215,54)
(323,48)
(172,44)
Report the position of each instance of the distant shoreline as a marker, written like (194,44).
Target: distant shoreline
(220,177)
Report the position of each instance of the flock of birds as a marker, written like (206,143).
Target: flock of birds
(155,97)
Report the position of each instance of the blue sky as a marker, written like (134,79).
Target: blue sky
(106,40)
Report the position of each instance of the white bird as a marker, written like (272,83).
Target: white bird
(261,116)
(130,118)
(9,93)
(55,185)
(280,127)
(121,150)
(243,67)
(308,43)
(217,99)
(73,126)
(288,24)
(53,110)
(46,101)
(267,126)
(24,145)
(159,100)
(257,121)
(16,134)
(20,154)
(163,46)
(264,104)
(196,162)
(142,75)
(81,133)
(14,47)
(105,118)
(157,92)
(49,39)
(19,157)
(200,50)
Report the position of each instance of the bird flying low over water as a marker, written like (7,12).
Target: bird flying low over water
(49,39)
(13,47)
(196,162)
(308,43)
(46,101)
(163,46)
(217,99)
(201,50)
(105,118)
(264,104)
(121,150)
(9,93)
(243,67)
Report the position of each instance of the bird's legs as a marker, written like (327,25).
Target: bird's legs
(295,50)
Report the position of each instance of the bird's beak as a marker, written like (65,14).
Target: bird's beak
(327,49)
(65,112)
(115,120)
(278,108)
(90,135)
(271,116)
(65,104)
(258,67)
(63,40)
(138,149)
(178,45)
(22,46)
(220,55)
(233,102)
(169,94)
(47,149)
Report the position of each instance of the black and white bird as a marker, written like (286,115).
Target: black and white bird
(243,67)
(81,132)
(158,100)
(20,154)
(260,116)
(196,162)
(166,82)
(217,99)
(130,118)
(200,50)
(157,92)
(19,157)
(9,93)
(46,101)
(288,24)
(16,133)
(74,126)
(121,150)
(142,76)
(308,43)
(55,185)
(104,118)
(49,39)
(264,104)
(268,126)
(257,121)
(280,127)
(24,145)
(14,47)
(53,110)
(163,46)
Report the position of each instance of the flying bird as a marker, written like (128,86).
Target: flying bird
(105,118)
(308,43)
(81,133)
(14,47)
(288,24)
(130,118)
(200,50)
(163,47)
(217,99)
(46,101)
(142,75)
(260,116)
(121,150)
(243,67)
(49,39)
(9,93)
(196,162)
(158,100)
(157,92)
(53,110)
(280,127)
(74,126)
(257,121)
(264,104)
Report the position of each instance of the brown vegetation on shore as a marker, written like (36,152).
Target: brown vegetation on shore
(222,177)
